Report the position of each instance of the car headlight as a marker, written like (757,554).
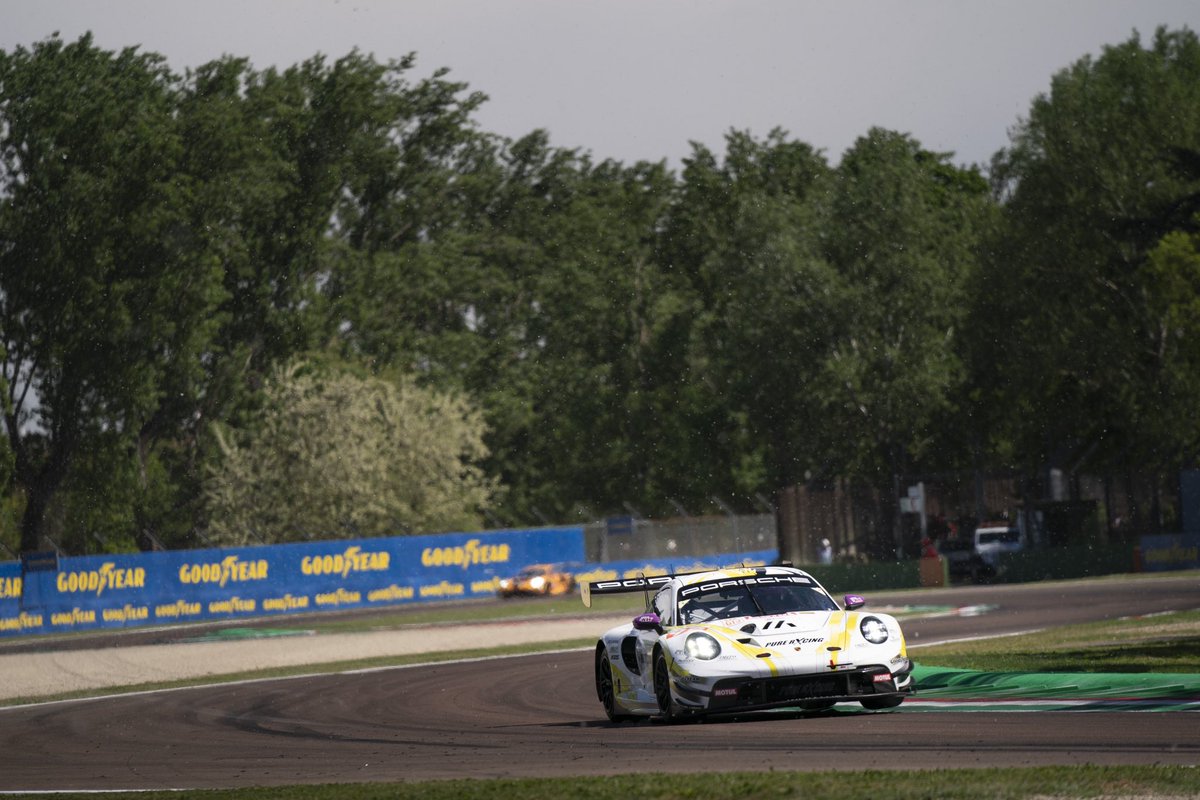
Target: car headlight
(702,646)
(873,630)
(538,582)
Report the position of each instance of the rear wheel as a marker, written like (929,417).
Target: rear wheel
(604,686)
(882,703)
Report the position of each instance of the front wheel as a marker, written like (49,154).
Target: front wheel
(662,688)
(882,703)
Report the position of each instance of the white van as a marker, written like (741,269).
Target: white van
(994,538)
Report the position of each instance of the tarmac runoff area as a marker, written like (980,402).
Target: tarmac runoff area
(42,674)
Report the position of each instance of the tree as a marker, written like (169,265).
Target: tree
(104,301)
(164,241)
(745,236)
(338,454)
(1094,179)
(903,234)
(1171,274)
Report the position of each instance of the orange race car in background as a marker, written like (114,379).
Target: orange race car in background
(538,579)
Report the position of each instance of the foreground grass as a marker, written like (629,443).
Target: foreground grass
(968,784)
(1162,643)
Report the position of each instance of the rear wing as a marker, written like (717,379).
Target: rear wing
(586,589)
(642,583)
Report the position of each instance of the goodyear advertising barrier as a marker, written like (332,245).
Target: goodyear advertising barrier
(112,591)
(12,619)
(1170,551)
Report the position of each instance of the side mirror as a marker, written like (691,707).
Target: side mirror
(648,622)
(854,601)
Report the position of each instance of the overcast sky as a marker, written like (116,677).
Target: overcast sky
(640,79)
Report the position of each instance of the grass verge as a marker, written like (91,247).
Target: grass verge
(1168,643)
(966,784)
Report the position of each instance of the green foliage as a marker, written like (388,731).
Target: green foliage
(1099,173)
(1171,275)
(629,336)
(106,301)
(903,234)
(338,455)
(745,235)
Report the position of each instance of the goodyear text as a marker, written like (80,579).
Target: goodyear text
(228,569)
(97,581)
(468,555)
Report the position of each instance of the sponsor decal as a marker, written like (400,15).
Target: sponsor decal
(288,602)
(882,677)
(10,588)
(472,553)
(233,605)
(21,622)
(176,610)
(799,641)
(487,587)
(338,597)
(76,616)
(100,580)
(443,589)
(759,580)
(1167,552)
(779,623)
(732,692)
(126,613)
(629,583)
(227,570)
(391,594)
(596,575)
(353,559)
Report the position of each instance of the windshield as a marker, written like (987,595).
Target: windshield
(746,601)
(995,537)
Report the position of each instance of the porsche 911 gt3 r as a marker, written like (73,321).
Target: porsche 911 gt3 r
(537,579)
(743,639)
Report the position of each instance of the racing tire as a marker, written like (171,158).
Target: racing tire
(662,688)
(882,703)
(604,687)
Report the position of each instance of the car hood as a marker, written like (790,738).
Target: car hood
(770,631)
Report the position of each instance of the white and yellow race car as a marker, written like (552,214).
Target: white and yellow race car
(742,639)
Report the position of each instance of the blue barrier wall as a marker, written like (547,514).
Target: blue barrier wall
(11,587)
(1170,552)
(158,588)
